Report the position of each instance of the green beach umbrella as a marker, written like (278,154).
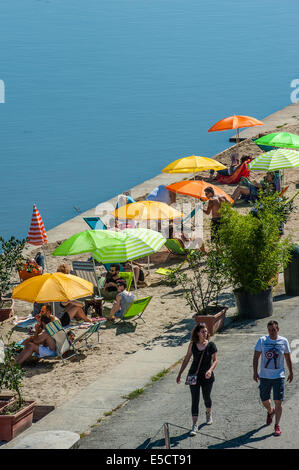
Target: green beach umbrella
(132,244)
(109,246)
(278,159)
(279,139)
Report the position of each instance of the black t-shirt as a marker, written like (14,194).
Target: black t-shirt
(109,278)
(206,360)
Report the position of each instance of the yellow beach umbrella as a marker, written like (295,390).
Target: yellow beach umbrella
(147,210)
(193,164)
(56,287)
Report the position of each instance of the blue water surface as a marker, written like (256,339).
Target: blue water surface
(100,95)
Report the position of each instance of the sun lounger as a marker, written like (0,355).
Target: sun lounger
(236,176)
(56,331)
(86,335)
(86,270)
(166,271)
(136,309)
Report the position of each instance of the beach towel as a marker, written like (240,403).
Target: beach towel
(236,176)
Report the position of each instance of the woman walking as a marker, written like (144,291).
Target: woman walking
(204,362)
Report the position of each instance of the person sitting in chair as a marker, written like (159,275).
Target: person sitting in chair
(138,272)
(251,190)
(40,343)
(109,291)
(122,302)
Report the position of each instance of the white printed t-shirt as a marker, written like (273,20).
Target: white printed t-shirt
(272,357)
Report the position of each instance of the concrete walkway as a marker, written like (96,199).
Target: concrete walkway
(61,429)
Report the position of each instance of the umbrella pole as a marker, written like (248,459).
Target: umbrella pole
(135,283)
(97,280)
(45,256)
(238,139)
(148,263)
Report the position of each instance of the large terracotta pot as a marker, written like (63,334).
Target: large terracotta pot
(7,312)
(215,321)
(12,425)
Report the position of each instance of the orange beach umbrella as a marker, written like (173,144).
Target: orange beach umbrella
(235,122)
(196,189)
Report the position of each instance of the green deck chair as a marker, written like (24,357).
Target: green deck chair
(136,309)
(174,247)
(128,276)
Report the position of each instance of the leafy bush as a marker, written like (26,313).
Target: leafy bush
(10,257)
(11,374)
(204,280)
(253,251)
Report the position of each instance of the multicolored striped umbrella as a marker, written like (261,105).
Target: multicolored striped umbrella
(37,233)
(277,159)
(133,243)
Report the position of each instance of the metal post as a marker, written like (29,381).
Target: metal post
(166,435)
(135,283)
(97,280)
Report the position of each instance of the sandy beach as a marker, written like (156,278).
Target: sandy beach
(51,382)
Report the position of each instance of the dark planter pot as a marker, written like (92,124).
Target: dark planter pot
(291,274)
(254,306)
(7,312)
(12,425)
(214,321)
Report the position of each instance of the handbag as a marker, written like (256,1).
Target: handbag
(191,379)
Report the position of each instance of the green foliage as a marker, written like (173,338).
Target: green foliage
(10,257)
(204,281)
(11,374)
(253,251)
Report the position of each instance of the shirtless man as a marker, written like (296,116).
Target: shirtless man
(214,206)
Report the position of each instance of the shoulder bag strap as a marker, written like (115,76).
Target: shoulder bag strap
(200,360)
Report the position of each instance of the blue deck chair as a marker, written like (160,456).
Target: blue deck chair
(107,267)
(95,223)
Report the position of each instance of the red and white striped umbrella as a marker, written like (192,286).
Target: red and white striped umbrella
(37,233)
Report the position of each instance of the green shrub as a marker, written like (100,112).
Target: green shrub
(253,251)
(10,257)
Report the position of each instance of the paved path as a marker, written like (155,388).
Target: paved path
(239,418)
(137,423)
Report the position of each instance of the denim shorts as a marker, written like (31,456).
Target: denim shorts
(46,351)
(266,386)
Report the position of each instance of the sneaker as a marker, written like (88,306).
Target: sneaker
(193,431)
(209,419)
(277,431)
(270,417)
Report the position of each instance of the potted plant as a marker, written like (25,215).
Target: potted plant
(202,282)
(254,252)
(10,257)
(16,414)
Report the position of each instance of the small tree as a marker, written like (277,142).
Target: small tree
(204,281)
(253,251)
(10,257)
(11,374)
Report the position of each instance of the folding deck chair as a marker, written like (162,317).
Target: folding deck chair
(175,248)
(93,329)
(95,223)
(136,309)
(56,331)
(86,270)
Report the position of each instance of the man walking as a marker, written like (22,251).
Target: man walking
(273,349)
(214,207)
